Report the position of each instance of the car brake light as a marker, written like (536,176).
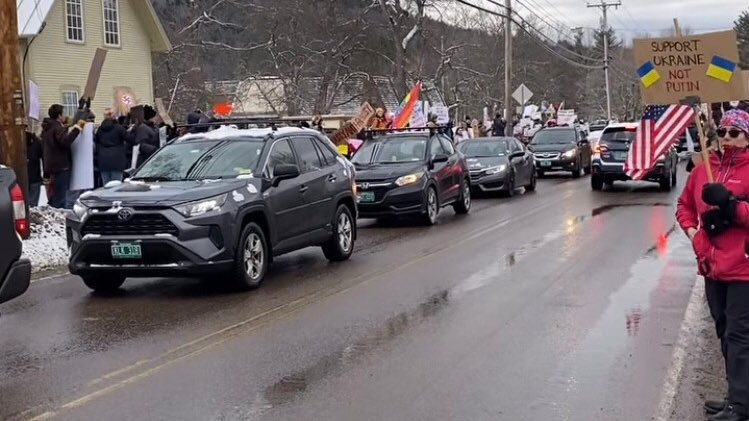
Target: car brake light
(19,211)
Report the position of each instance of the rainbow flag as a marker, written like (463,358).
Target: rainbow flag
(721,69)
(407,107)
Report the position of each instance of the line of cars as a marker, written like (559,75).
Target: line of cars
(231,200)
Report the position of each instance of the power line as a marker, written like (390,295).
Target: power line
(560,46)
(563,29)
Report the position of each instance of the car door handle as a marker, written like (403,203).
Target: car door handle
(303,189)
(332,177)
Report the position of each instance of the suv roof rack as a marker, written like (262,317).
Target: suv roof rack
(272,123)
(371,133)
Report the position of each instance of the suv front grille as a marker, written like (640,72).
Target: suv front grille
(547,155)
(139,224)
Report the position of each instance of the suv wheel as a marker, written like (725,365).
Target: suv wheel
(596,182)
(510,185)
(463,205)
(103,283)
(665,182)
(252,258)
(578,169)
(432,206)
(341,243)
(532,185)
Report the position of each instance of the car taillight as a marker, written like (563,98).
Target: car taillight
(19,211)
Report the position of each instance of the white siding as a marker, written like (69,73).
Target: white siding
(57,66)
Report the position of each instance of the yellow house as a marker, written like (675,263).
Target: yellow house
(58,40)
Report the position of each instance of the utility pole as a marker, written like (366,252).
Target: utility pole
(508,68)
(12,141)
(603,5)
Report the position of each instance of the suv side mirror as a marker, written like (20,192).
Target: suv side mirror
(284,172)
(517,154)
(128,173)
(440,157)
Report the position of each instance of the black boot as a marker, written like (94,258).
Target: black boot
(713,407)
(729,413)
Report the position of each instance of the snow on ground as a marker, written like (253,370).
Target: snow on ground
(46,248)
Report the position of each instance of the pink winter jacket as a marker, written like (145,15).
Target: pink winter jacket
(723,257)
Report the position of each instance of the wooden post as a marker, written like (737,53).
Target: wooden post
(12,121)
(698,123)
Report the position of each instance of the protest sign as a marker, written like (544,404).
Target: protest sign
(82,176)
(124,99)
(745,75)
(442,113)
(33,100)
(704,66)
(418,119)
(353,126)
(163,113)
(566,117)
(94,73)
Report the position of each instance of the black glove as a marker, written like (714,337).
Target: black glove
(716,222)
(716,194)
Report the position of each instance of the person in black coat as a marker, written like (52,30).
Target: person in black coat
(146,136)
(111,148)
(34,153)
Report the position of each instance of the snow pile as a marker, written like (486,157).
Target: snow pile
(46,248)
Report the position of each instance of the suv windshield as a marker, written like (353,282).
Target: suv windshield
(392,150)
(618,135)
(555,137)
(484,148)
(202,159)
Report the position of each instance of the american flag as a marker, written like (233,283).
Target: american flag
(659,129)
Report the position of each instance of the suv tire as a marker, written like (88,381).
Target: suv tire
(463,205)
(432,206)
(596,182)
(532,185)
(103,283)
(341,243)
(578,169)
(510,192)
(665,182)
(252,258)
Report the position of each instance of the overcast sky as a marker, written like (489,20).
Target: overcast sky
(638,16)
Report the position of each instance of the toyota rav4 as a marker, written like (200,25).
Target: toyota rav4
(222,202)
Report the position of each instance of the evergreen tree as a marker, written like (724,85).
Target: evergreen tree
(742,31)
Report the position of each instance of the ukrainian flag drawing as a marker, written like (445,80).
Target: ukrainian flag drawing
(721,69)
(648,75)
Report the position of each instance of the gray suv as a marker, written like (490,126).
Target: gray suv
(223,202)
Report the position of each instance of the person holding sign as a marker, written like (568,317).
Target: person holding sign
(715,216)
(58,161)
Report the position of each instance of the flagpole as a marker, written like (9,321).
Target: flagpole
(698,122)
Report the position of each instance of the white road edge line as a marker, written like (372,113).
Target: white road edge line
(692,320)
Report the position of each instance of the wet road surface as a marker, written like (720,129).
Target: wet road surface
(562,304)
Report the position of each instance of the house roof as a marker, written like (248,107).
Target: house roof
(33,13)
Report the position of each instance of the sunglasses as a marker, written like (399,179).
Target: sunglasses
(734,133)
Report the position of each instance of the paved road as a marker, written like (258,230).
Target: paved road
(555,305)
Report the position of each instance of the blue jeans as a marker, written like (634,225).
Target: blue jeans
(107,176)
(34,192)
(60,187)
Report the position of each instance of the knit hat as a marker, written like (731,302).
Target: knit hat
(736,118)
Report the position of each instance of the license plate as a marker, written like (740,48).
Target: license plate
(126,251)
(545,163)
(366,197)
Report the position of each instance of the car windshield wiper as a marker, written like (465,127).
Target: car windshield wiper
(153,178)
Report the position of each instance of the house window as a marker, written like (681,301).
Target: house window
(70,103)
(111,23)
(74,20)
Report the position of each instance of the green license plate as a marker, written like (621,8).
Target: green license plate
(126,251)
(366,197)
(545,163)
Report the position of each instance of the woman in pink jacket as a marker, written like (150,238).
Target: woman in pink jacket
(715,216)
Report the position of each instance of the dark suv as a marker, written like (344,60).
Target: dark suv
(612,152)
(15,271)
(411,173)
(222,202)
(561,149)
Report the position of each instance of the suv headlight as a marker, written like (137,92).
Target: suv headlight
(79,209)
(202,206)
(409,179)
(570,153)
(495,170)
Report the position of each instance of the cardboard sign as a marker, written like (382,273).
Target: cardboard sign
(94,73)
(745,74)
(442,113)
(82,150)
(124,100)
(352,127)
(162,112)
(566,117)
(705,66)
